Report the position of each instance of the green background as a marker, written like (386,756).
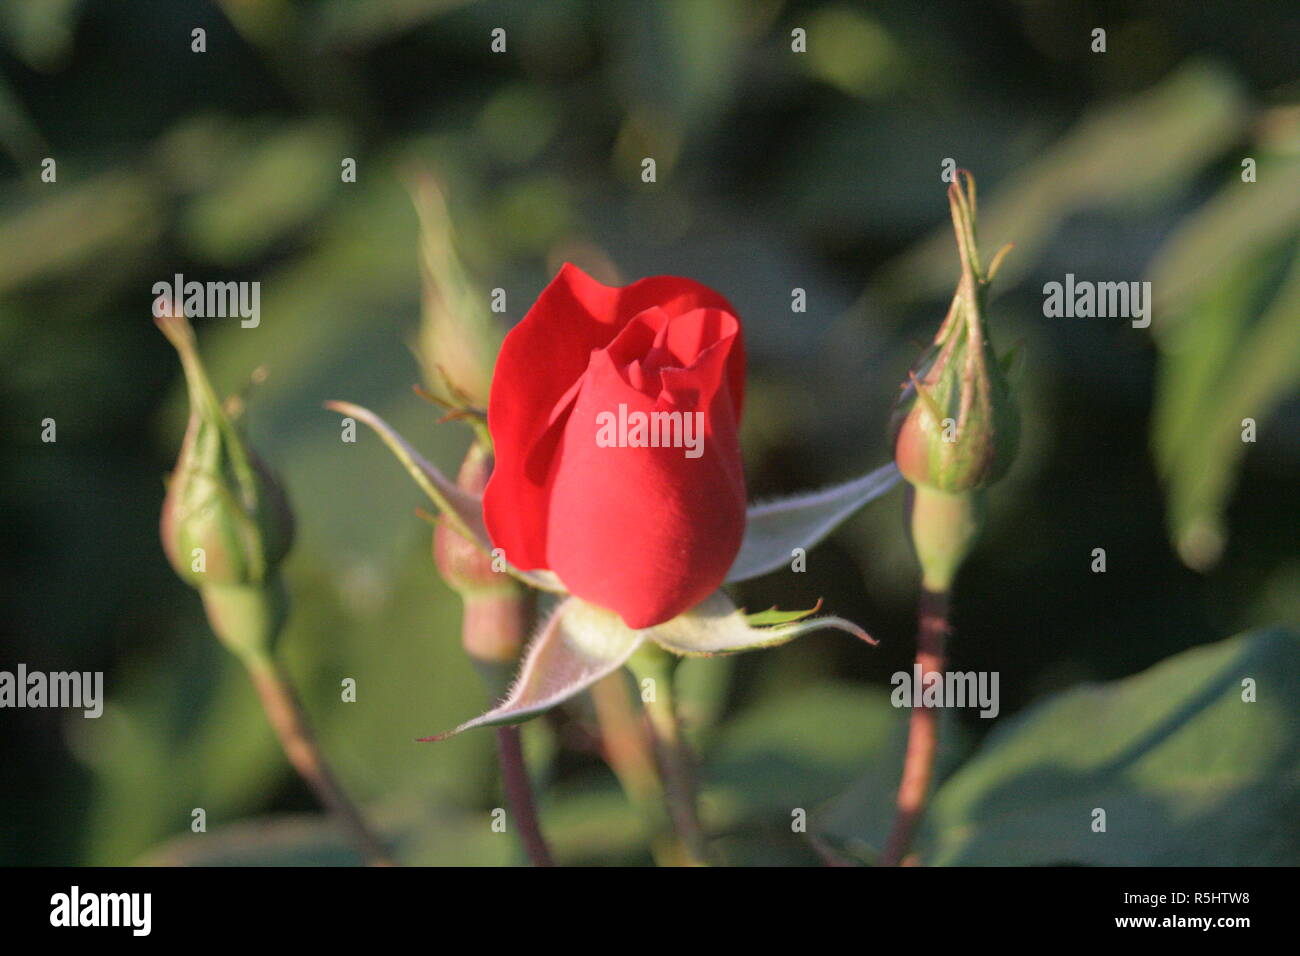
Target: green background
(775,170)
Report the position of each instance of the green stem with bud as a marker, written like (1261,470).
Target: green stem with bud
(944,528)
(518,787)
(220,495)
(948,470)
(205,404)
(495,616)
(247,619)
(491,632)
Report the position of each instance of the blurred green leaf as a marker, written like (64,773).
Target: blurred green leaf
(275,184)
(1187,771)
(853,52)
(18,134)
(592,823)
(1131,152)
(519,121)
(73,225)
(682,58)
(1242,221)
(40,33)
(305,840)
(796,751)
(1219,368)
(462,839)
(1227,291)
(856,822)
(357,26)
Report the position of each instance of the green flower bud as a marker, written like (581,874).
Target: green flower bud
(225,520)
(956,426)
(458,338)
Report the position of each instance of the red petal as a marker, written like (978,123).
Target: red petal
(541,359)
(648,532)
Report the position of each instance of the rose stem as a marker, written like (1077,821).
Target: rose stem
(923,732)
(285,712)
(629,752)
(675,759)
(493,626)
(519,796)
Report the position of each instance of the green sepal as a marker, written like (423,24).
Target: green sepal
(773,616)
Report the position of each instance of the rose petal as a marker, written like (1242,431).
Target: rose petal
(540,360)
(648,532)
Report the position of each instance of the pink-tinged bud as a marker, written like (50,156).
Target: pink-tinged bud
(463,564)
(225,520)
(956,425)
(497,609)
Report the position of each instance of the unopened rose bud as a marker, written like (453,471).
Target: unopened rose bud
(463,564)
(226,524)
(458,338)
(956,425)
(497,609)
(220,526)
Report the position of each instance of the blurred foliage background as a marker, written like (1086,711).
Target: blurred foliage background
(775,170)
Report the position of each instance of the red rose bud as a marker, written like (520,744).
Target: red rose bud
(226,524)
(956,425)
(614,415)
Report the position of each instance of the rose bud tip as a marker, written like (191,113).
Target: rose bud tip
(225,520)
(956,425)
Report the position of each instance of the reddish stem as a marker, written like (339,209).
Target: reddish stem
(285,713)
(519,796)
(923,734)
